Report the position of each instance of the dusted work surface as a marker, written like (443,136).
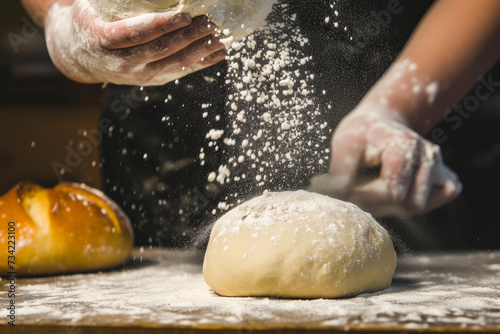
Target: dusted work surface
(163,289)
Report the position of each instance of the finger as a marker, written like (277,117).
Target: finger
(446,175)
(214,58)
(373,197)
(399,163)
(210,60)
(444,191)
(142,29)
(201,52)
(175,42)
(425,177)
(161,76)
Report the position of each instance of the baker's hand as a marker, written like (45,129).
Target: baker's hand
(412,178)
(150,49)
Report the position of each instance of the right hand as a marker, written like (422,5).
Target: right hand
(413,178)
(150,49)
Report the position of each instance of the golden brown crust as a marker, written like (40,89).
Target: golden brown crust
(70,228)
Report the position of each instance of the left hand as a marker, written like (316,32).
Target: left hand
(148,50)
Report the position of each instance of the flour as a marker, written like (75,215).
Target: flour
(275,126)
(403,79)
(432,90)
(429,292)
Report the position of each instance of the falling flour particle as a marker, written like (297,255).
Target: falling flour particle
(212,176)
(272,131)
(214,134)
(432,90)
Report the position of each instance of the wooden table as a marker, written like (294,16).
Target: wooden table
(163,291)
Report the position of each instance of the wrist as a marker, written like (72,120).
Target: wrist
(408,91)
(64,50)
(372,110)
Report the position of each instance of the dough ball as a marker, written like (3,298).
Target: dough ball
(298,244)
(239,17)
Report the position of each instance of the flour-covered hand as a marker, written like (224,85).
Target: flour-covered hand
(150,49)
(412,178)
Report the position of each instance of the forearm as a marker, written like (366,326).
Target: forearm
(38,9)
(458,41)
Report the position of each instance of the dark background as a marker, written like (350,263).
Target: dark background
(38,104)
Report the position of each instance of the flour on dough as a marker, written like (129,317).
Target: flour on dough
(298,244)
(239,17)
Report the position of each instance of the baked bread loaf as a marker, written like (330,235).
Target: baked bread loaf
(70,228)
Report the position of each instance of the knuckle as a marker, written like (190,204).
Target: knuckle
(412,144)
(203,23)
(432,153)
(161,48)
(199,28)
(117,37)
(105,43)
(133,36)
(190,34)
(108,35)
(162,28)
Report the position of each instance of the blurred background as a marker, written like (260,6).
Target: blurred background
(41,112)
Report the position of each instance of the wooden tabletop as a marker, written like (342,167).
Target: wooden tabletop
(163,290)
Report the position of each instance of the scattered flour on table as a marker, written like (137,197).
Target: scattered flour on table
(494,267)
(178,295)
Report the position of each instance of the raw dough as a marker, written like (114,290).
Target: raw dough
(298,244)
(239,17)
